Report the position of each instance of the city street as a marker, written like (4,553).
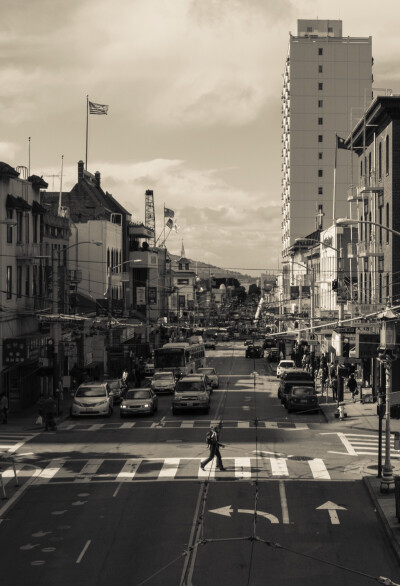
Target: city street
(105,501)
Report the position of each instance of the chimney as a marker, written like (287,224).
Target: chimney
(80,170)
(97,178)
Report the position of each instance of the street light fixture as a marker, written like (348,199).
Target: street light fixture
(347,222)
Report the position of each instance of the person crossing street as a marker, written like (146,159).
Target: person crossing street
(214,445)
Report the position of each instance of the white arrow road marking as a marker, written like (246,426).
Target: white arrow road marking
(225,511)
(332,508)
(29,546)
(41,533)
(268,516)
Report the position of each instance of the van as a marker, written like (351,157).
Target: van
(191,392)
(297,377)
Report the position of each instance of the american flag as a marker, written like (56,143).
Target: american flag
(97,108)
(168,213)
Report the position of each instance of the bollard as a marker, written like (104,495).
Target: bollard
(15,474)
(3,490)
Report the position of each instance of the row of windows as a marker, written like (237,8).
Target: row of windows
(366,165)
(366,290)
(25,282)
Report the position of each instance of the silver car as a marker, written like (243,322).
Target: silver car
(211,375)
(191,392)
(92,399)
(163,382)
(138,401)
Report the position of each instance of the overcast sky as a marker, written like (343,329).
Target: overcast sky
(193,88)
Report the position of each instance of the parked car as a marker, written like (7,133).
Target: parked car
(248,342)
(163,382)
(273,354)
(92,398)
(191,392)
(302,399)
(139,401)
(254,352)
(117,389)
(284,366)
(296,377)
(211,375)
(210,344)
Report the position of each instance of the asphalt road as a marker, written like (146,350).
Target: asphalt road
(125,501)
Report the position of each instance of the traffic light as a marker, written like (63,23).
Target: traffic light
(335,285)
(346,349)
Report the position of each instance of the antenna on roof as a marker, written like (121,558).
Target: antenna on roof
(60,196)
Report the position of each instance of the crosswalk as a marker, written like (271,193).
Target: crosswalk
(179,424)
(64,470)
(11,441)
(358,444)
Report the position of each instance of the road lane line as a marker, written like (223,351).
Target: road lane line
(91,467)
(318,469)
(129,470)
(279,467)
(207,473)
(128,425)
(170,468)
(95,427)
(193,541)
(284,505)
(243,467)
(243,424)
(187,424)
(78,561)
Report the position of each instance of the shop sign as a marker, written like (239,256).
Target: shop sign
(140,295)
(153,295)
(367,345)
(14,351)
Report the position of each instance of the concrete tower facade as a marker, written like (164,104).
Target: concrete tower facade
(327,84)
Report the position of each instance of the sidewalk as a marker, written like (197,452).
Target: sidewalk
(363,417)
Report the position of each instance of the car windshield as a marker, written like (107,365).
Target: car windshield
(163,376)
(138,395)
(185,386)
(91,392)
(207,370)
(286,364)
(305,392)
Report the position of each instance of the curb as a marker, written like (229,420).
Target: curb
(388,530)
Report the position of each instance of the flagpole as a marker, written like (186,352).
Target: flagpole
(163,243)
(61,176)
(29,156)
(87,128)
(334,182)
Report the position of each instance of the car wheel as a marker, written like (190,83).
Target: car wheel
(156,408)
(110,412)
(174,412)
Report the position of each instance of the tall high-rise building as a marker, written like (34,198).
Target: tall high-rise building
(327,84)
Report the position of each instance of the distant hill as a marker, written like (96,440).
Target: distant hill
(204,270)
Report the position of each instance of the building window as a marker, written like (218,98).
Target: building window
(380,160)
(330,29)
(320,86)
(19,227)
(320,190)
(9,228)
(35,222)
(9,282)
(320,51)
(361,169)
(380,289)
(320,138)
(387,223)
(387,286)
(320,103)
(380,222)
(19,281)
(27,282)
(309,29)
(319,68)
(320,155)
(320,173)
(34,280)
(27,228)
(320,121)
(387,155)
(361,229)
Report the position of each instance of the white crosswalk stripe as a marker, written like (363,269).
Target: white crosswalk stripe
(11,441)
(366,444)
(159,469)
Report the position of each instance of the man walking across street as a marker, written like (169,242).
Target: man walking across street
(214,445)
(352,386)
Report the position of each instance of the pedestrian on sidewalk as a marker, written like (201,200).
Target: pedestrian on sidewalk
(4,408)
(352,386)
(334,387)
(214,445)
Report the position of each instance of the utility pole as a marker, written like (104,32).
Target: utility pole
(56,326)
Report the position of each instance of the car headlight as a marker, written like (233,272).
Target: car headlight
(146,405)
(123,406)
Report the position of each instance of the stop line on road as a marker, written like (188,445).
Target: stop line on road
(182,424)
(65,470)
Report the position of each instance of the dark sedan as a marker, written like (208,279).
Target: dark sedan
(254,352)
(302,399)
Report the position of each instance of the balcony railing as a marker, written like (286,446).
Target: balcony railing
(29,251)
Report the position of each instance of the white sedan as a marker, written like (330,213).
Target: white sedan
(284,366)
